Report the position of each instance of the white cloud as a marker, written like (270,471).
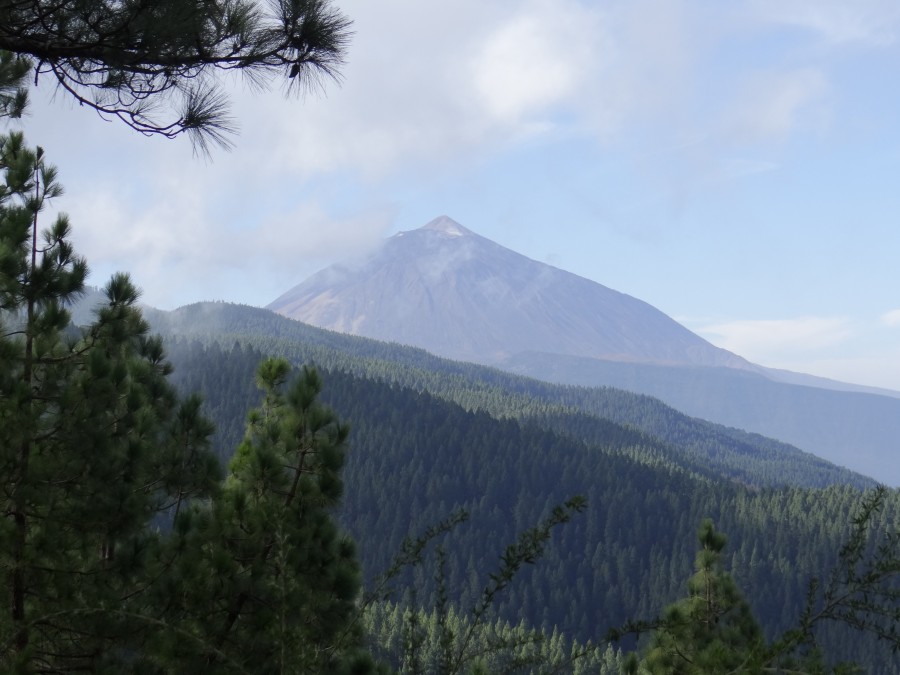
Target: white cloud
(891,318)
(179,251)
(430,83)
(540,57)
(770,341)
(873,22)
(881,370)
(642,69)
(834,347)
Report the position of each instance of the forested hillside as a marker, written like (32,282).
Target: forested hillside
(748,458)
(446,289)
(858,427)
(417,458)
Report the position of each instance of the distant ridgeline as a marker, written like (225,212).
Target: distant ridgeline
(431,436)
(459,295)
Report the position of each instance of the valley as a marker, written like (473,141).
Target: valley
(432,436)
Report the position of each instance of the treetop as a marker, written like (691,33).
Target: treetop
(152,63)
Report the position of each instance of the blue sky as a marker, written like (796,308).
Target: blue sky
(735,164)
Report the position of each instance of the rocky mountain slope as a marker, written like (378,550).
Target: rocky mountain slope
(457,294)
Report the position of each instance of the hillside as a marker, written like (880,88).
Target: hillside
(450,291)
(706,447)
(417,458)
(851,428)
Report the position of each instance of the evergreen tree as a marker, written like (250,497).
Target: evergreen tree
(13,94)
(710,631)
(99,456)
(94,443)
(713,630)
(151,63)
(263,572)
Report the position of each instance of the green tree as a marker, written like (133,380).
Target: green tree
(94,443)
(447,642)
(263,574)
(13,94)
(99,457)
(713,629)
(96,450)
(152,63)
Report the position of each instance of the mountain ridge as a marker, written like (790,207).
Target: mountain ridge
(418,289)
(476,387)
(417,286)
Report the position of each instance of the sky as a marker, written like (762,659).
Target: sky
(735,164)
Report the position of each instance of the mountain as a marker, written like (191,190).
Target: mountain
(448,290)
(457,294)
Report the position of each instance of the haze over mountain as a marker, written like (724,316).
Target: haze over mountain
(450,291)
(457,294)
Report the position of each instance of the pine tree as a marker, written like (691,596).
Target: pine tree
(13,94)
(100,457)
(94,443)
(712,630)
(264,575)
(152,63)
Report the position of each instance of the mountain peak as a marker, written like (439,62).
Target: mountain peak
(446,226)
(450,291)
